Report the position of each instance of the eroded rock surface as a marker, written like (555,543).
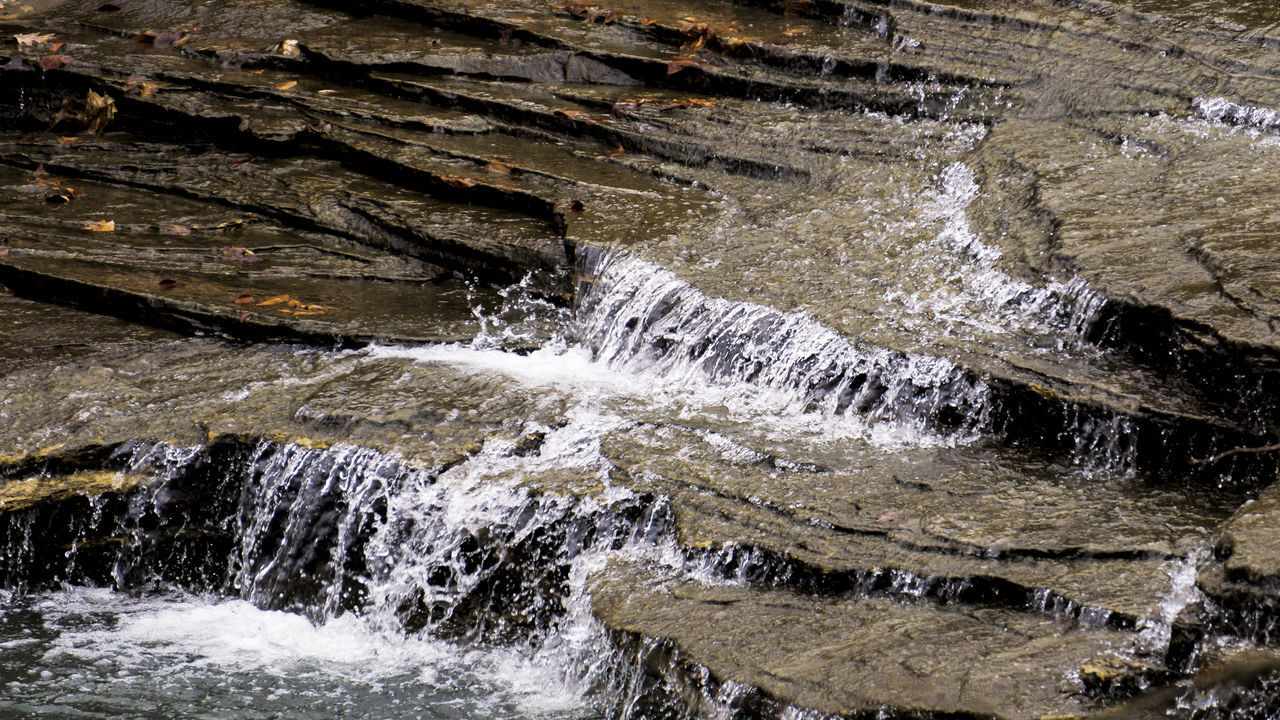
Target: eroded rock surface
(929,347)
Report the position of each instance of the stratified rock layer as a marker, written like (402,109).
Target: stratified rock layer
(1065,206)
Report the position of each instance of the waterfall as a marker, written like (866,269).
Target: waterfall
(642,319)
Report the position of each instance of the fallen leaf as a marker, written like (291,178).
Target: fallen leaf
(145,86)
(681,64)
(633,103)
(274,300)
(570,113)
(616,152)
(459,181)
(498,168)
(101,225)
(289,85)
(55,47)
(52,62)
(328,91)
(287,48)
(239,254)
(68,140)
(244,299)
(33,39)
(602,15)
(99,110)
(163,38)
(793,33)
(168,284)
(73,192)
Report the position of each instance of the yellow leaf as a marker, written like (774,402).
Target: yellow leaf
(29,39)
(274,300)
(287,85)
(101,226)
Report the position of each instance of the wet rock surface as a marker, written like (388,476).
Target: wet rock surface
(930,347)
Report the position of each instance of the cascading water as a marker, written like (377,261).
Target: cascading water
(644,320)
(466,584)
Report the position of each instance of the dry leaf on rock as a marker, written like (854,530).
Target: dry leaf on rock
(52,62)
(99,110)
(459,181)
(163,38)
(33,39)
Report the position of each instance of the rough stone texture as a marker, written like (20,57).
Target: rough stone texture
(857,657)
(1072,202)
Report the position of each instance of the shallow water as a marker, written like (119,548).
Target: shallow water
(91,652)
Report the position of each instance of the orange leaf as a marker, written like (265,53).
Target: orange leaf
(52,62)
(459,181)
(244,299)
(274,300)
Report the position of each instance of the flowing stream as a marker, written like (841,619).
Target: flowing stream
(354,584)
(823,359)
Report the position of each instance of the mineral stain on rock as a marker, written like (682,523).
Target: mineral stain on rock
(831,358)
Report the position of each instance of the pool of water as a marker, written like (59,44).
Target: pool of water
(95,653)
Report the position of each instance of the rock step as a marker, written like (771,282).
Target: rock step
(839,657)
(926,523)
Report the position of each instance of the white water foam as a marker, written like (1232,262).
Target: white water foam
(977,292)
(1156,632)
(642,320)
(1222,110)
(180,640)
